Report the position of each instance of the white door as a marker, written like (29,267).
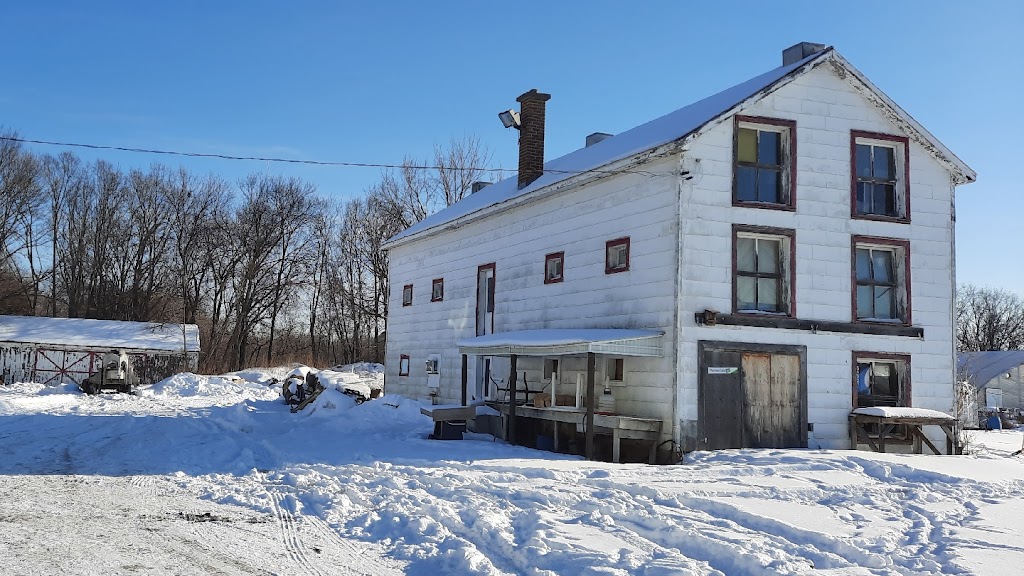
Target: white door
(484,326)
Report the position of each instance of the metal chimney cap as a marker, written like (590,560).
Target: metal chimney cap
(799,51)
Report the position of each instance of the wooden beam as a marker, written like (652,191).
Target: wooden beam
(589,421)
(465,378)
(512,384)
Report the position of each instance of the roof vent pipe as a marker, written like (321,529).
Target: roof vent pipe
(597,137)
(798,52)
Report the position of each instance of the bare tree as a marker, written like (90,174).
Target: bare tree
(988,319)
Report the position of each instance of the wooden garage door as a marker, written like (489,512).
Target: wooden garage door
(751,399)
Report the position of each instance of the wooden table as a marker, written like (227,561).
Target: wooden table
(618,426)
(886,425)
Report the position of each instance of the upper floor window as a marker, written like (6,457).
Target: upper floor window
(403,365)
(616,255)
(437,290)
(764,162)
(407,295)
(553,267)
(881,188)
(882,279)
(763,274)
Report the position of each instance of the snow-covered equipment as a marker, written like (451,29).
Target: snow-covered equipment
(116,373)
(301,387)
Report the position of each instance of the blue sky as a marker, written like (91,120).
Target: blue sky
(372,82)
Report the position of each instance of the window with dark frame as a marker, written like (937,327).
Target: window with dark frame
(403,365)
(877,284)
(407,295)
(554,265)
(764,155)
(759,274)
(879,176)
(881,380)
(550,367)
(616,369)
(616,255)
(876,180)
(437,290)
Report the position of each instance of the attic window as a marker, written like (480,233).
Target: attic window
(407,295)
(880,187)
(616,255)
(764,155)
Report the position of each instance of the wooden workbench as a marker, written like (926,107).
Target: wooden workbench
(887,424)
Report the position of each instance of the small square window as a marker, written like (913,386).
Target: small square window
(403,365)
(880,168)
(764,162)
(437,290)
(881,280)
(763,274)
(407,295)
(616,256)
(554,265)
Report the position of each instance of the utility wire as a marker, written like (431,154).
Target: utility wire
(301,161)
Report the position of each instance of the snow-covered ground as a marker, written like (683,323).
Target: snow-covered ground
(201,475)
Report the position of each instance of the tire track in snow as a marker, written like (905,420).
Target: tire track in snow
(290,534)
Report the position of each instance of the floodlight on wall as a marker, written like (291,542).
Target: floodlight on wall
(510,119)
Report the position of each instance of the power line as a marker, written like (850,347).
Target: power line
(302,161)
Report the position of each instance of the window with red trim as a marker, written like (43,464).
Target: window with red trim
(554,265)
(437,290)
(616,255)
(764,162)
(403,365)
(881,279)
(407,295)
(880,181)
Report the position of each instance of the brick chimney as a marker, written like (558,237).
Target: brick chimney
(531,136)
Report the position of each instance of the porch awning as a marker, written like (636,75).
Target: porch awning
(564,342)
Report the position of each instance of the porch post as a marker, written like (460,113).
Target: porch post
(512,402)
(465,376)
(589,421)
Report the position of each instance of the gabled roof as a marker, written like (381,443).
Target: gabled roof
(666,130)
(980,367)
(99,335)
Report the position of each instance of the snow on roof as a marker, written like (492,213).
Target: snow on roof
(668,128)
(97,334)
(901,412)
(556,341)
(981,367)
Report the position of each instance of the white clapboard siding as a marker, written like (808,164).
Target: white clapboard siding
(823,268)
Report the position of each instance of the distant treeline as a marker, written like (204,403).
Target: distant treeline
(271,270)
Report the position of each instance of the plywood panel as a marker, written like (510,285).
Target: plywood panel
(785,402)
(758,426)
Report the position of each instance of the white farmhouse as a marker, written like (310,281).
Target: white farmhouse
(741,272)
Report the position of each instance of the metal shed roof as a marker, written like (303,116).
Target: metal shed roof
(981,367)
(563,342)
(98,334)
